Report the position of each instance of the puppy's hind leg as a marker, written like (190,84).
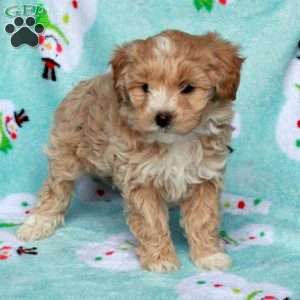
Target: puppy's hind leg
(54,199)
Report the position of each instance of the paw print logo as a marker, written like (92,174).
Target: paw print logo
(24,31)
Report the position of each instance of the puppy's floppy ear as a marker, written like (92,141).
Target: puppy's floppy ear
(121,59)
(224,67)
(118,63)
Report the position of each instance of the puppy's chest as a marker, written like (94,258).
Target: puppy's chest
(173,172)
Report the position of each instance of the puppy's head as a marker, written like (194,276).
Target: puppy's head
(165,82)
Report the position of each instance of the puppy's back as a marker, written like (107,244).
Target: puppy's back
(85,97)
(84,115)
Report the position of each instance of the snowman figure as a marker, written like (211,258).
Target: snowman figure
(50,49)
(65,23)
(115,254)
(227,286)
(14,208)
(10,123)
(288,124)
(51,43)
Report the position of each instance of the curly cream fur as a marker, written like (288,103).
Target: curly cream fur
(105,127)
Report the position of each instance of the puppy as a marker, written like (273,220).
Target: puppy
(158,126)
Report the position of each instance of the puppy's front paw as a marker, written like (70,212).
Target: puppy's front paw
(218,261)
(37,227)
(157,261)
(162,264)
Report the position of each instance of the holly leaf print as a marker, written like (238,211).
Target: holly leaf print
(297,85)
(207,4)
(7,225)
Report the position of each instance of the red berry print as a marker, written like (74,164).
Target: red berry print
(252,237)
(75,4)
(3,257)
(108,253)
(223,2)
(100,192)
(269,298)
(5,248)
(241,204)
(298,123)
(8,119)
(27,212)
(59,48)
(217,285)
(41,39)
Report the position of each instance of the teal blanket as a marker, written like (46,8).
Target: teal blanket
(92,256)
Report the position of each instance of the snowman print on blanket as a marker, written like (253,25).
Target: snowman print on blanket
(238,205)
(52,44)
(14,208)
(65,23)
(10,123)
(227,286)
(247,236)
(50,48)
(288,124)
(115,254)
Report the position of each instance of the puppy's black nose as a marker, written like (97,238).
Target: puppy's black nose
(163,119)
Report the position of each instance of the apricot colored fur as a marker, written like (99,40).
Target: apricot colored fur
(106,126)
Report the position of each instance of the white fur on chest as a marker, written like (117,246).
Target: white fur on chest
(174,172)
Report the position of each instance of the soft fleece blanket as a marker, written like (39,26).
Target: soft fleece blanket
(92,257)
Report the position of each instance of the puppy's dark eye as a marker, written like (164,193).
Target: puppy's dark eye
(145,87)
(187,89)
